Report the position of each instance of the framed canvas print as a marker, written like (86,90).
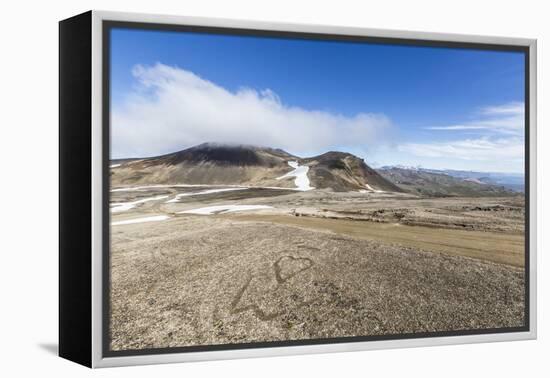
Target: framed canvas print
(235,189)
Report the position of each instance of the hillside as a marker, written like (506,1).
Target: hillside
(341,171)
(208,164)
(512,181)
(438,184)
(220,164)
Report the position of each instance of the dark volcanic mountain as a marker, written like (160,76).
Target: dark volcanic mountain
(341,171)
(208,164)
(219,164)
(225,155)
(438,184)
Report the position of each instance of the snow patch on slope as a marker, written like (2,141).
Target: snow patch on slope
(222,209)
(209,191)
(300,173)
(372,189)
(156,218)
(125,206)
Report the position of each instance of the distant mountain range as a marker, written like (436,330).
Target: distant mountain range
(512,181)
(221,164)
(432,182)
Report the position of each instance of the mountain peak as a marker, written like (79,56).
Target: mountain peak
(214,145)
(224,154)
(342,171)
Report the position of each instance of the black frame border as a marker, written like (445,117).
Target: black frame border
(108,25)
(75,189)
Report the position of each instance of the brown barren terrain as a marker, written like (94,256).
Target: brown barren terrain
(311,265)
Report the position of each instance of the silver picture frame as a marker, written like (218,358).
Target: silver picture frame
(98,359)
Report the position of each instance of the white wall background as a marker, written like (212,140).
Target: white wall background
(28,153)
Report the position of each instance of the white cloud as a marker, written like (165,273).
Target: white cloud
(504,119)
(512,108)
(497,143)
(171,109)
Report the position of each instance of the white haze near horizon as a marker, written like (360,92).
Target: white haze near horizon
(497,143)
(170,109)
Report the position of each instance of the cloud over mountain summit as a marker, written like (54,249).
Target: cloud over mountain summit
(171,108)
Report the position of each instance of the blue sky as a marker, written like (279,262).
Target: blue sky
(433,107)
